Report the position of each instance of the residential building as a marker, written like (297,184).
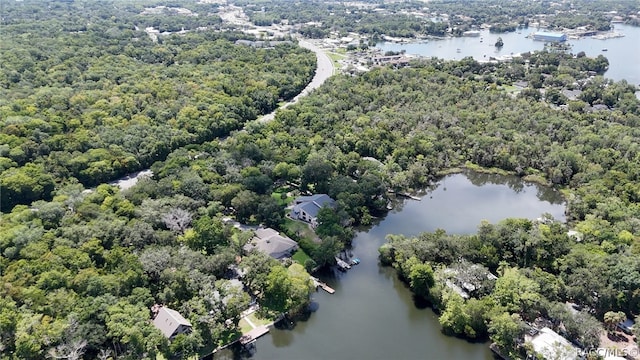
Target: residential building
(549,36)
(306,208)
(551,345)
(171,323)
(271,243)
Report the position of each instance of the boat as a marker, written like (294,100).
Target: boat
(355,261)
(605,49)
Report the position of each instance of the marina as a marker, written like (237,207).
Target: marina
(622,50)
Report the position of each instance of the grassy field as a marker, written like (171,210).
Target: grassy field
(244,324)
(278,195)
(335,57)
(300,229)
(300,257)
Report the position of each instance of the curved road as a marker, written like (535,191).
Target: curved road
(324,70)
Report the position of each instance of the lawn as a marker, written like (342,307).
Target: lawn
(335,57)
(244,324)
(300,230)
(278,195)
(300,257)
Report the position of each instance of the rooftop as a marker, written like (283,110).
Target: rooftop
(169,320)
(270,242)
(312,204)
(551,345)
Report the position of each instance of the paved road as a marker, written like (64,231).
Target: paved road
(324,70)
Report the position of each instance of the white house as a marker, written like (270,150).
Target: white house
(551,345)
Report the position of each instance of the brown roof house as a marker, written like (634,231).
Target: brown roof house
(170,322)
(270,242)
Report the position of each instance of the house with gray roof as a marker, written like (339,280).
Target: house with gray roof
(271,243)
(171,323)
(306,208)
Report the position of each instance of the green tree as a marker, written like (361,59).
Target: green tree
(454,319)
(210,235)
(516,292)
(613,318)
(505,329)
(421,279)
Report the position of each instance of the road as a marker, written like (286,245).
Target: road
(324,70)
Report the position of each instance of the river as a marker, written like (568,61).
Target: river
(372,314)
(623,52)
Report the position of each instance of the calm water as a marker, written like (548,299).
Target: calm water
(372,314)
(623,53)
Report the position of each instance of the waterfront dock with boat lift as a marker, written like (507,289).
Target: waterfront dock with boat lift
(342,265)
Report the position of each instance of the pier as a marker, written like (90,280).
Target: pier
(322,285)
(252,335)
(407,195)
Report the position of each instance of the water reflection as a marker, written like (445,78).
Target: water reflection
(372,314)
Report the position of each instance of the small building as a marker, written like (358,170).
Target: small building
(171,323)
(396,60)
(627,326)
(551,345)
(306,208)
(521,84)
(270,242)
(572,94)
(549,36)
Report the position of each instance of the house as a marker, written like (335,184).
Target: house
(271,243)
(551,345)
(571,94)
(170,322)
(306,208)
(627,326)
(471,33)
(521,84)
(549,36)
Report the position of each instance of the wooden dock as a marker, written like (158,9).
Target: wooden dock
(252,335)
(322,285)
(407,195)
(326,288)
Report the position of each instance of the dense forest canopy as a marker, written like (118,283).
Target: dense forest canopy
(437,18)
(88,95)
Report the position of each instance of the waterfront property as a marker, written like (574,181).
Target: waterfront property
(170,322)
(471,33)
(372,315)
(551,345)
(549,36)
(306,208)
(270,242)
